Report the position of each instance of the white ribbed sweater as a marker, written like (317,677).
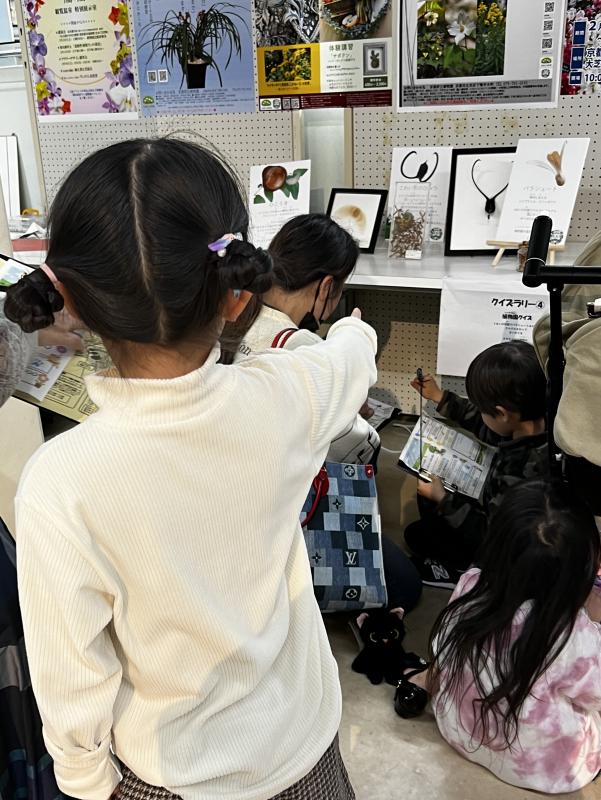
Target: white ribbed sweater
(165,587)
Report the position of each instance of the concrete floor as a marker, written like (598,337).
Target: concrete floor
(389,758)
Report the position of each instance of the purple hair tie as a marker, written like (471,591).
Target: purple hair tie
(221,245)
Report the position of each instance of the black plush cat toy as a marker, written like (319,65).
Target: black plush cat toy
(382,658)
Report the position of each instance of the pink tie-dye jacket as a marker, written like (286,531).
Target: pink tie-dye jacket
(559,745)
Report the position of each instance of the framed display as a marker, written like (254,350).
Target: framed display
(360,212)
(478,187)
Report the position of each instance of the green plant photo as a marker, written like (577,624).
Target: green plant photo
(196,42)
(460,38)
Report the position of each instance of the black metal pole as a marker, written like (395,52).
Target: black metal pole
(555,371)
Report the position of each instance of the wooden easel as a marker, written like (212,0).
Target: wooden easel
(503,246)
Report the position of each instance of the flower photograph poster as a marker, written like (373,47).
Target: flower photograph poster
(81,59)
(479,54)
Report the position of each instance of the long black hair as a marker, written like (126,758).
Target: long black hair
(129,235)
(542,549)
(307,248)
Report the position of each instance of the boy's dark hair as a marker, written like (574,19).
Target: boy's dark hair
(129,235)
(543,550)
(509,375)
(308,248)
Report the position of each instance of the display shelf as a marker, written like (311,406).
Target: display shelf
(377,271)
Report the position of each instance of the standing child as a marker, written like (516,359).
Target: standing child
(506,408)
(173,635)
(517,653)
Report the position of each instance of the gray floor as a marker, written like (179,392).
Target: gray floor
(389,758)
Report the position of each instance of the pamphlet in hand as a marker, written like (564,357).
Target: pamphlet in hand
(436,450)
(12,271)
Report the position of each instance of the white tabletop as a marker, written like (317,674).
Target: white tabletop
(377,271)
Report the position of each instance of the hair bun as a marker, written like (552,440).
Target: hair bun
(32,302)
(246,267)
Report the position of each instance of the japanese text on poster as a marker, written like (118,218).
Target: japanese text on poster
(278,192)
(194,57)
(474,318)
(581,70)
(81,58)
(544,181)
(473,54)
(324,53)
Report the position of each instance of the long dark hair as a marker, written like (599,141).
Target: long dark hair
(508,374)
(308,248)
(129,235)
(542,548)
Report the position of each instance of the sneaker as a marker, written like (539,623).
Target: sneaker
(433,573)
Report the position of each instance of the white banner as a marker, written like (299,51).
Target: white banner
(473,318)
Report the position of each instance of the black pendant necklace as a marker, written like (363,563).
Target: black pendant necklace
(422,172)
(490,206)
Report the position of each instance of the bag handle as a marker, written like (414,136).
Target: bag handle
(321,482)
(282,337)
(321,486)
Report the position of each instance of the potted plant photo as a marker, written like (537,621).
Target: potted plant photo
(194,42)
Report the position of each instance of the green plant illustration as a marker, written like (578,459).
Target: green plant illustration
(277,179)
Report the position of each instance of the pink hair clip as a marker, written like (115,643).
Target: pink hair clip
(221,245)
(50,273)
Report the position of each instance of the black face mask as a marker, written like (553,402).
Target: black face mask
(310,322)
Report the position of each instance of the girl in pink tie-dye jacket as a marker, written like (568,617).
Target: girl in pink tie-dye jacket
(516,669)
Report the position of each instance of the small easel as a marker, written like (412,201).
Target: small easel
(503,246)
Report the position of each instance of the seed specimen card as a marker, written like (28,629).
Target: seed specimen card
(278,192)
(478,54)
(424,165)
(545,180)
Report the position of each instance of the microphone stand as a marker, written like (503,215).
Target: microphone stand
(537,273)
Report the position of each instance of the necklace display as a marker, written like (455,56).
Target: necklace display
(490,206)
(422,172)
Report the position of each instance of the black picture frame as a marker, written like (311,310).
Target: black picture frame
(375,223)
(457,153)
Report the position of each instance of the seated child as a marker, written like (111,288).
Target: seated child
(516,669)
(506,388)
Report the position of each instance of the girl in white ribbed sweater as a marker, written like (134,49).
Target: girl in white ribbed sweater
(175,644)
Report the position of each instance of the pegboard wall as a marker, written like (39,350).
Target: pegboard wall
(244,139)
(377,132)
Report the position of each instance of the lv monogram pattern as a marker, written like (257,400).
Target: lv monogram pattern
(343,541)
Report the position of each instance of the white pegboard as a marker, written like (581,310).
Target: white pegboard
(377,132)
(244,139)
(407,328)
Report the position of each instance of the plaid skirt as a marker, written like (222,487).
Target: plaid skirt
(328,780)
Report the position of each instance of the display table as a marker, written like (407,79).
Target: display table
(377,271)
(401,299)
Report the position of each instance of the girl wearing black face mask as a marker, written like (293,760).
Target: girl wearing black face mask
(312,259)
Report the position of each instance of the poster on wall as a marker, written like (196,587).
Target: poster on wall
(424,165)
(479,54)
(324,53)
(474,317)
(278,192)
(545,180)
(194,57)
(81,59)
(581,69)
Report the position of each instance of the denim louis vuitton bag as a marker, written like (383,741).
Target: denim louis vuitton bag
(342,532)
